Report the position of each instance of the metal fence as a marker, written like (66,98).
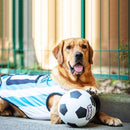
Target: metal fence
(15,54)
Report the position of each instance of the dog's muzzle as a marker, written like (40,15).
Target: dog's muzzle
(78,66)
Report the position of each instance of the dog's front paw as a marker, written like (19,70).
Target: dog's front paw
(108,120)
(92,90)
(112,121)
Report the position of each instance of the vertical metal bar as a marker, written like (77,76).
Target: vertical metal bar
(20,31)
(82,18)
(1,31)
(13,32)
(8,62)
(33,9)
(128,39)
(100,43)
(55,20)
(91,22)
(118,39)
(28,51)
(109,38)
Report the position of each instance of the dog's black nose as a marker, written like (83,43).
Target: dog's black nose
(78,55)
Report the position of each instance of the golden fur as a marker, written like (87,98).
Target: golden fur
(73,71)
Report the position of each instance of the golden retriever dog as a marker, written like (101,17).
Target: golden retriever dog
(74,57)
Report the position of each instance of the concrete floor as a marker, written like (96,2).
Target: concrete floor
(12,123)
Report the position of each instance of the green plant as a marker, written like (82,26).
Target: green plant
(36,67)
(122,52)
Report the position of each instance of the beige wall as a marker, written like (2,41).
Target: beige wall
(5,31)
(54,20)
(93,28)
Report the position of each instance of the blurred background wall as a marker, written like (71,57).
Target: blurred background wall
(29,29)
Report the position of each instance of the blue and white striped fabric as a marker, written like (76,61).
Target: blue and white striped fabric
(29,93)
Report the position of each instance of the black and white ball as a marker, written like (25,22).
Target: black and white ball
(76,108)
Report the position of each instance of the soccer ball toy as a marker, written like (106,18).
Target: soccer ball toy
(76,108)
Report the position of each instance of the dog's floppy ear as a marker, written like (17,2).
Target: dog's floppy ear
(58,52)
(90,54)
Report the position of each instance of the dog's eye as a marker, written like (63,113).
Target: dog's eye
(68,47)
(84,46)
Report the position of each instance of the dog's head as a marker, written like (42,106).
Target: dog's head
(74,54)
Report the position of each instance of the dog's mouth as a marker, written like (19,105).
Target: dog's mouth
(77,68)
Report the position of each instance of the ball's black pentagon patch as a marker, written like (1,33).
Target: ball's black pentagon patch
(63,109)
(81,112)
(72,124)
(75,94)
